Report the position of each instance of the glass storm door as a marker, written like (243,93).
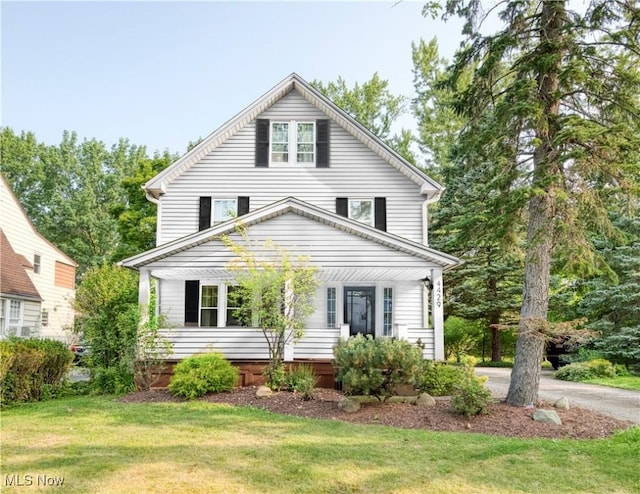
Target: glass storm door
(360,309)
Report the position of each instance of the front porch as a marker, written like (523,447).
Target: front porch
(247,349)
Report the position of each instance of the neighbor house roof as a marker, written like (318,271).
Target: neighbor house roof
(28,221)
(157,185)
(14,280)
(296,206)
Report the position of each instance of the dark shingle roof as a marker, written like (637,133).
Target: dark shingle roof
(14,280)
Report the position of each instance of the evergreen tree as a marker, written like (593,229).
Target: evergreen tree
(559,89)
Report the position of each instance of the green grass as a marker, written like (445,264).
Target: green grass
(623,382)
(101,446)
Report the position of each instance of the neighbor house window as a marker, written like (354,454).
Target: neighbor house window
(331,307)
(45,318)
(209,306)
(224,209)
(37,260)
(387,312)
(293,142)
(361,210)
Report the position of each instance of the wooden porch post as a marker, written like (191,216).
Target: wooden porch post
(437,314)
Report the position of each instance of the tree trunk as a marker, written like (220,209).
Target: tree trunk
(525,376)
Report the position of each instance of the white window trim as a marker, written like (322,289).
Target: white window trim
(371,200)
(37,267)
(292,148)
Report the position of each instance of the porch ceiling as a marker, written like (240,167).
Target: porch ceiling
(348,274)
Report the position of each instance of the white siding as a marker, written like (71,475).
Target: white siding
(229,171)
(171,301)
(326,246)
(234,343)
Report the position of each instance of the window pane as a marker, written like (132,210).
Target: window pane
(387,329)
(224,209)
(209,317)
(209,296)
(331,307)
(305,142)
(361,210)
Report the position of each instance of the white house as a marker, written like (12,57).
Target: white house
(296,169)
(49,312)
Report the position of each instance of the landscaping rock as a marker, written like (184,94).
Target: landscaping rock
(404,390)
(402,399)
(349,405)
(562,403)
(425,400)
(547,417)
(264,392)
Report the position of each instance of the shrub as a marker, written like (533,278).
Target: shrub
(116,379)
(276,376)
(302,380)
(471,397)
(32,369)
(440,379)
(583,371)
(373,366)
(201,374)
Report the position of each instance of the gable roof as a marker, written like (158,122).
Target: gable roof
(14,280)
(296,206)
(12,196)
(157,185)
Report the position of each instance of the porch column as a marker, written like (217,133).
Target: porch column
(144,295)
(437,313)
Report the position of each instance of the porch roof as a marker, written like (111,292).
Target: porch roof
(289,205)
(343,274)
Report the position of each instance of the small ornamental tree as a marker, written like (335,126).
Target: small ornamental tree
(275,292)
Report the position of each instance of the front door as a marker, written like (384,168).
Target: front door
(360,309)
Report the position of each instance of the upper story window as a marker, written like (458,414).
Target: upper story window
(293,142)
(37,263)
(370,211)
(298,137)
(361,210)
(224,209)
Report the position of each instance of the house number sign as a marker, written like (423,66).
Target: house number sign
(439,294)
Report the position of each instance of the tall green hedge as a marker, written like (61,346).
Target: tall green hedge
(32,369)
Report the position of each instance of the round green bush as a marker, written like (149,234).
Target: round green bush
(201,374)
(440,379)
(583,371)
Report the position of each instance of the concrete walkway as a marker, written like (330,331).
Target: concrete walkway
(619,403)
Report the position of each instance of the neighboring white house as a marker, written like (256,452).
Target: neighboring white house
(296,169)
(51,272)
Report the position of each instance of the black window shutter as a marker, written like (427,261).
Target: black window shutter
(243,205)
(262,142)
(381,213)
(322,143)
(204,217)
(342,206)
(191,295)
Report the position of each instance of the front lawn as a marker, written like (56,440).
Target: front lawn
(98,445)
(622,382)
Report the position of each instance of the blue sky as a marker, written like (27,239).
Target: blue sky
(165,73)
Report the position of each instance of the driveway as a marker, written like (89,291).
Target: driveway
(619,403)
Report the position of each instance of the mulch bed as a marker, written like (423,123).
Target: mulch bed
(502,419)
